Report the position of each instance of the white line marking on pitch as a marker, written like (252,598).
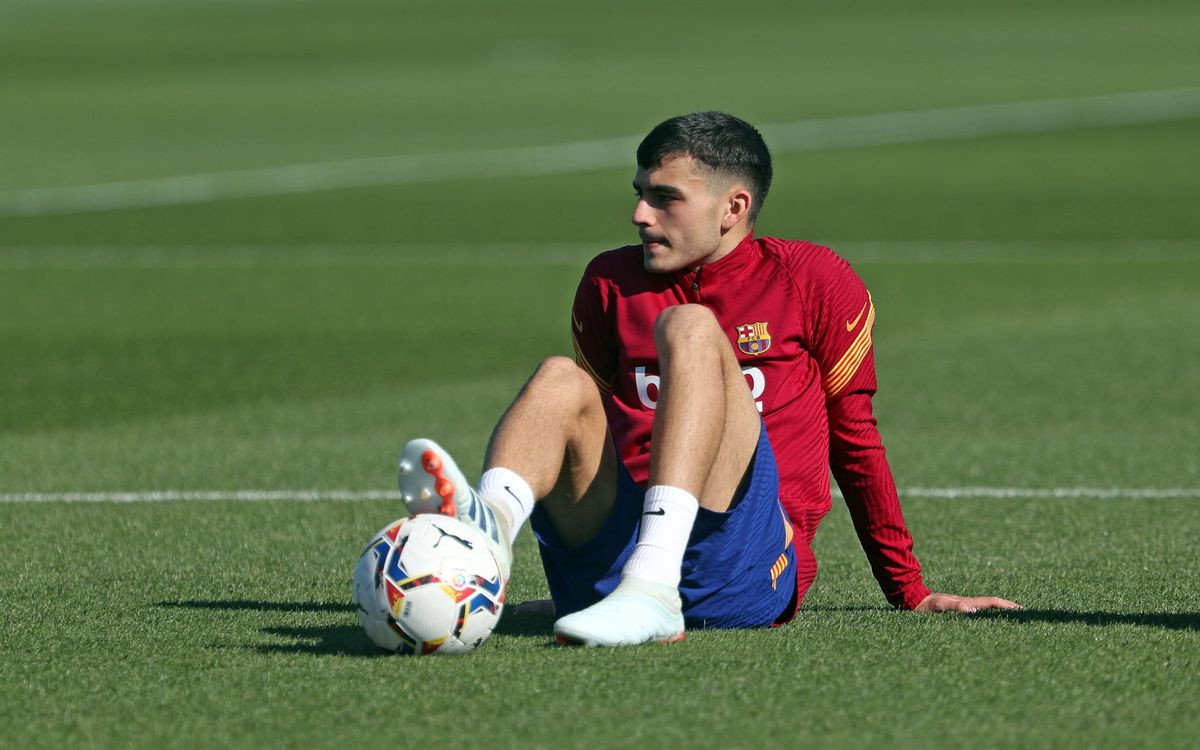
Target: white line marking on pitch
(165,496)
(1054,493)
(945,493)
(947,123)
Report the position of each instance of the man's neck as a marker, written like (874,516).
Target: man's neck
(729,242)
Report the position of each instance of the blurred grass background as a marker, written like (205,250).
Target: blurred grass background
(1037,299)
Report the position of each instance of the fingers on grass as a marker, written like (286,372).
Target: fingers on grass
(995,602)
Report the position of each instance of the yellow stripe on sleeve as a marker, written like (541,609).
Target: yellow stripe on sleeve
(587,367)
(844,370)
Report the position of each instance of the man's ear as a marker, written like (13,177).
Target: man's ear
(737,207)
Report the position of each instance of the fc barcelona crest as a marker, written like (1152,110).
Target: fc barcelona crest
(753,338)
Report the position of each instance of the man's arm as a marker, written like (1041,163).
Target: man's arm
(859,465)
(844,346)
(862,472)
(591,332)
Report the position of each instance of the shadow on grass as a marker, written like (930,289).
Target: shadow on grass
(854,608)
(337,640)
(323,640)
(257,606)
(1165,620)
(342,640)
(526,624)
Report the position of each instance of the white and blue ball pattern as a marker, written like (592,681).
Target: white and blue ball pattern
(428,584)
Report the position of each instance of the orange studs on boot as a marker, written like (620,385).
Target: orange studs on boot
(444,487)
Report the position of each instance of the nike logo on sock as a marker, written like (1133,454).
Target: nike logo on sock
(659,512)
(514,497)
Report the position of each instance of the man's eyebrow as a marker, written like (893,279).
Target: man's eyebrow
(659,189)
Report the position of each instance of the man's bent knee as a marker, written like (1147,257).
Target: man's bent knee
(686,323)
(564,379)
(561,370)
(558,368)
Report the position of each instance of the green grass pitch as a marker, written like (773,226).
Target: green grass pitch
(1037,293)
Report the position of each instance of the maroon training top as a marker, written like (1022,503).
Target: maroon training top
(800,323)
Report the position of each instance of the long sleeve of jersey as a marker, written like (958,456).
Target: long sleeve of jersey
(591,329)
(861,469)
(842,337)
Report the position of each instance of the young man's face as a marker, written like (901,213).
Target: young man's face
(678,214)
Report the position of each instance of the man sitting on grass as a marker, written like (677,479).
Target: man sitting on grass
(676,471)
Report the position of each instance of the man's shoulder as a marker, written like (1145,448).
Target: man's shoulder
(808,264)
(803,255)
(616,263)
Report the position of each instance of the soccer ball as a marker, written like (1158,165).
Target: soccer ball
(428,584)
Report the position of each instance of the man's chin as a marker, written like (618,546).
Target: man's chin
(653,258)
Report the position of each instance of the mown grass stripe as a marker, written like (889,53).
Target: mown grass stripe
(946,123)
(944,493)
(235,257)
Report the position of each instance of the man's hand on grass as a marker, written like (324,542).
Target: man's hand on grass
(952,603)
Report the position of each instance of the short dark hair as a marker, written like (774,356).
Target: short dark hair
(724,143)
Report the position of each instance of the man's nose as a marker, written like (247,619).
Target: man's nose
(642,215)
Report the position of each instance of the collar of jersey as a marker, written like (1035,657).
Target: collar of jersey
(727,266)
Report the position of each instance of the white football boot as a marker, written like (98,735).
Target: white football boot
(430,482)
(637,611)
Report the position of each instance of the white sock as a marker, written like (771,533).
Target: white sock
(667,517)
(509,494)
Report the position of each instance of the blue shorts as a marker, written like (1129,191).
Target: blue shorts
(738,569)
